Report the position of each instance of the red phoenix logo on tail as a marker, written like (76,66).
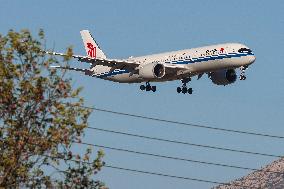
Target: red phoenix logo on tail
(92,50)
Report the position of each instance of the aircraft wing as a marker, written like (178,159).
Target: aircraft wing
(176,69)
(116,64)
(131,66)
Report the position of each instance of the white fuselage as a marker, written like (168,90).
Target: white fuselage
(193,61)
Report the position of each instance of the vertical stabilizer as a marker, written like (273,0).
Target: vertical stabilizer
(92,48)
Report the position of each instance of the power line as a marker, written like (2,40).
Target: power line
(184,123)
(149,172)
(152,173)
(156,173)
(168,157)
(178,177)
(175,158)
(184,143)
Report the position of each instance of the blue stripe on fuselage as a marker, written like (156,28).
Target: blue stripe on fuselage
(208,58)
(186,61)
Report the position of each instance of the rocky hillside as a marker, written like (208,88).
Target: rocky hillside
(264,179)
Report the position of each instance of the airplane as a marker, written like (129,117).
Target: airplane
(219,62)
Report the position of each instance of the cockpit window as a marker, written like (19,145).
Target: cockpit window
(244,50)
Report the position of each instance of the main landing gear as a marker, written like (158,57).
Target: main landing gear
(148,87)
(184,88)
(242,75)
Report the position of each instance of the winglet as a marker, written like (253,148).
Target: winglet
(92,48)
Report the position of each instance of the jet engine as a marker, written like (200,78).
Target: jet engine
(152,71)
(223,77)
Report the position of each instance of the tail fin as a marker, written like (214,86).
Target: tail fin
(92,48)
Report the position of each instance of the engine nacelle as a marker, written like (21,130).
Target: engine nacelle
(223,77)
(152,71)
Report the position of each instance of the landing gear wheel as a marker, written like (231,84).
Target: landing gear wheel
(148,87)
(243,77)
(154,88)
(184,90)
(142,87)
(178,89)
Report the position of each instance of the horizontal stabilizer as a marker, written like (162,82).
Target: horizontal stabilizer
(86,71)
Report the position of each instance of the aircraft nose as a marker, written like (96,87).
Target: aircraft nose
(252,59)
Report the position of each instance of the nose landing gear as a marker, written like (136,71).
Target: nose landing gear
(242,75)
(148,87)
(184,88)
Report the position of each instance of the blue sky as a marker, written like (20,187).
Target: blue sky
(131,28)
